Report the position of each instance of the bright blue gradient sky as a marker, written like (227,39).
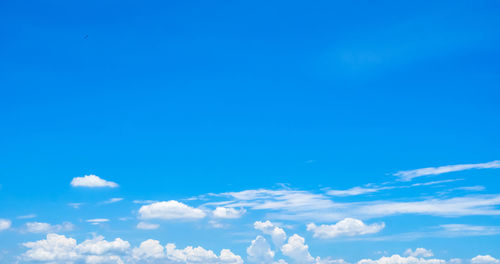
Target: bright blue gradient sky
(188,100)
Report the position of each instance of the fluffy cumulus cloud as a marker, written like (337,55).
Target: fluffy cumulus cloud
(484,259)
(60,249)
(55,248)
(92,181)
(346,227)
(170,210)
(260,251)
(419,252)
(277,234)
(99,246)
(297,250)
(5,224)
(38,227)
(199,255)
(411,174)
(148,251)
(227,213)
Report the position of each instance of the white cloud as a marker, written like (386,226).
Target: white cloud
(92,181)
(99,246)
(148,250)
(97,221)
(113,200)
(295,205)
(277,234)
(112,259)
(469,230)
(200,255)
(29,216)
(419,252)
(170,210)
(411,174)
(5,224)
(38,227)
(76,205)
(297,250)
(484,259)
(476,188)
(227,213)
(55,248)
(330,261)
(147,226)
(60,249)
(144,201)
(458,206)
(397,259)
(355,191)
(346,227)
(259,251)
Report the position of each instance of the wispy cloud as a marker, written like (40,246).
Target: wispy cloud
(28,216)
(97,221)
(307,206)
(408,175)
(38,227)
(76,205)
(112,200)
(358,190)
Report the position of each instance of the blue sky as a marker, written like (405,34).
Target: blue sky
(135,132)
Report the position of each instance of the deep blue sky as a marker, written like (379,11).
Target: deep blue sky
(174,99)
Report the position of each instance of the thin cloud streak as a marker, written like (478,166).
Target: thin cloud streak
(409,175)
(307,206)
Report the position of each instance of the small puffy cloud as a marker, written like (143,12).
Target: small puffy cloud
(38,227)
(484,259)
(397,259)
(99,246)
(170,210)
(419,252)
(92,181)
(260,251)
(149,250)
(147,226)
(5,224)
(411,174)
(297,250)
(346,227)
(227,213)
(277,234)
